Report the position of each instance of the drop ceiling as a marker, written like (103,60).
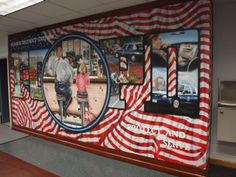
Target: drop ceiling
(55,11)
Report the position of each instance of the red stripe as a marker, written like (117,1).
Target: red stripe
(175,119)
(52,129)
(135,143)
(185,21)
(184,157)
(172,73)
(204,70)
(172,62)
(170,82)
(128,147)
(172,127)
(47,125)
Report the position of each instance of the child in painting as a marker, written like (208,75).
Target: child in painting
(82,81)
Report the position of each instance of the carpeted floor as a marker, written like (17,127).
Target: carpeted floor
(20,168)
(69,162)
(8,135)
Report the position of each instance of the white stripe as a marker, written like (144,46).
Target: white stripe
(145,148)
(205,66)
(157,127)
(171,122)
(204,84)
(172,77)
(198,162)
(205,75)
(90,140)
(205,47)
(204,95)
(127,150)
(204,105)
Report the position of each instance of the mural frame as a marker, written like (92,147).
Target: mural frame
(151,163)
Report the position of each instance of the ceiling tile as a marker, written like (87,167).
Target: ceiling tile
(12,22)
(49,21)
(5,28)
(109,5)
(70,16)
(95,10)
(54,11)
(48,9)
(28,16)
(76,5)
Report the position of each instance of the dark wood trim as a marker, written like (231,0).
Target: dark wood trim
(222,163)
(167,167)
(122,11)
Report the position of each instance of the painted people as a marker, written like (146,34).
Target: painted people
(115,83)
(64,78)
(82,82)
(158,46)
(51,64)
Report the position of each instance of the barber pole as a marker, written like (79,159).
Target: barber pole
(172,72)
(123,64)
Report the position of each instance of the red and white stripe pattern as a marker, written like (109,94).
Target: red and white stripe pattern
(120,129)
(12,81)
(172,83)
(123,64)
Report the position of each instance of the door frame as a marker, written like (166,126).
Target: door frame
(8,90)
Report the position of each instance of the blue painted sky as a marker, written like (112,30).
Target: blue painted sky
(180,36)
(34,53)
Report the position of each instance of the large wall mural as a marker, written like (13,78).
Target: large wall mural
(138,83)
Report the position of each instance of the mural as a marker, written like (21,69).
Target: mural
(175,72)
(36,72)
(139,83)
(20,65)
(75,82)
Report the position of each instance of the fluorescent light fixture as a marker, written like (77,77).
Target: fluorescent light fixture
(9,6)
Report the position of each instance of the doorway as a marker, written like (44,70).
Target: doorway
(4,101)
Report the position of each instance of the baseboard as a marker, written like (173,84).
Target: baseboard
(222,163)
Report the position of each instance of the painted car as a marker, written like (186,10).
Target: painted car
(132,51)
(187,95)
(114,48)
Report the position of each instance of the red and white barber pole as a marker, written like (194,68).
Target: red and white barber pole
(172,83)
(124,70)
(123,64)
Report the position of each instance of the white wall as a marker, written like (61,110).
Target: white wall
(3,45)
(224,68)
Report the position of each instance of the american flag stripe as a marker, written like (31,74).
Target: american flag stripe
(17,111)
(176,159)
(167,127)
(138,136)
(26,113)
(112,131)
(184,156)
(115,143)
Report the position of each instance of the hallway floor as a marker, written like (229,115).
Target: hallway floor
(69,162)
